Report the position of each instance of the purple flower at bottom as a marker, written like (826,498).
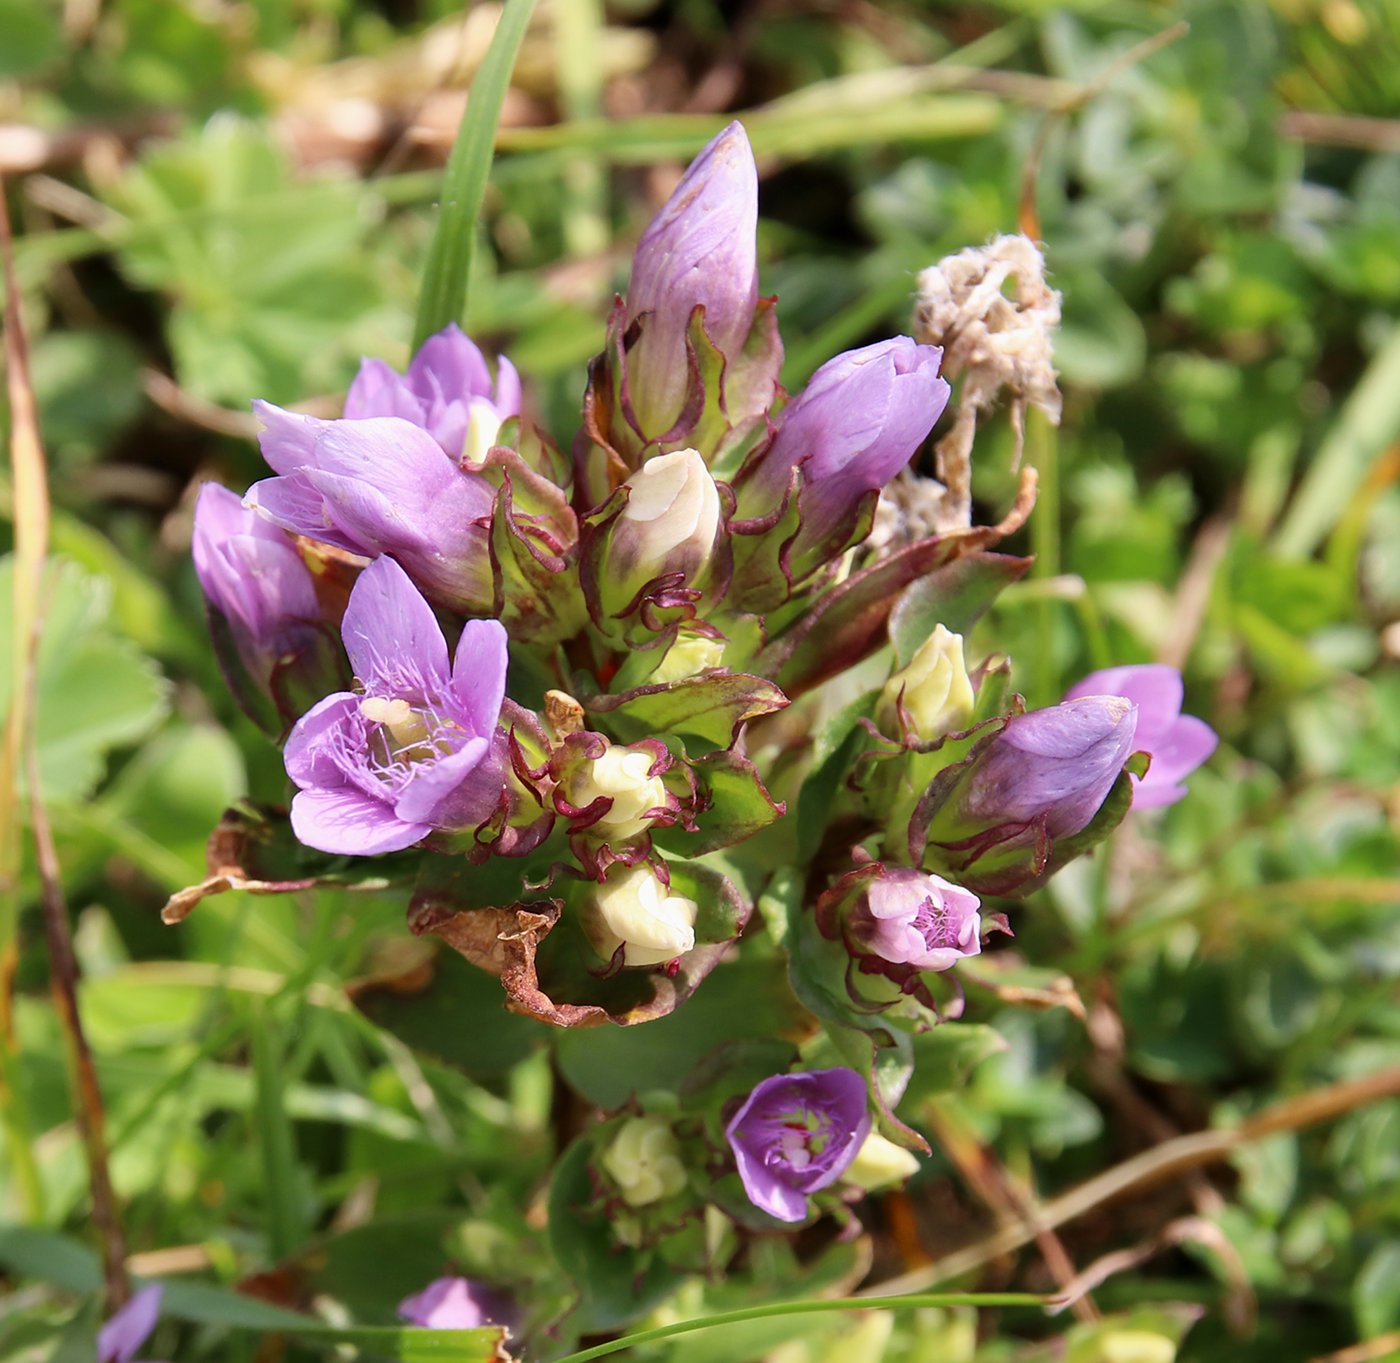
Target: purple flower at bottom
(456,1304)
(915,918)
(446,390)
(415,750)
(128,1330)
(1177,743)
(796,1134)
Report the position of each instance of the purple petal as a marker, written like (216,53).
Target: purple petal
(507,389)
(295,504)
(390,630)
(388,453)
(288,440)
(379,391)
(128,1330)
(479,672)
(443,794)
(1155,689)
(346,822)
(450,363)
(1188,743)
(307,753)
(767,1193)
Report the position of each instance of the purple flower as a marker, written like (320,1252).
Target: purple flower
(414,750)
(1177,743)
(699,249)
(447,390)
(128,1330)
(796,1134)
(456,1304)
(270,628)
(917,919)
(381,485)
(852,428)
(993,819)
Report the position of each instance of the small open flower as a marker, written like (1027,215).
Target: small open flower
(1177,743)
(416,750)
(796,1134)
(934,690)
(644,1160)
(634,909)
(456,1304)
(446,390)
(915,918)
(129,1328)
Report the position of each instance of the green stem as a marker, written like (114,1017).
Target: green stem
(804,1308)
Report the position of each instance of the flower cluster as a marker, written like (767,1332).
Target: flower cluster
(476,648)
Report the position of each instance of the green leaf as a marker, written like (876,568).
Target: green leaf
(443,297)
(709,706)
(94,690)
(945,1055)
(1376,1293)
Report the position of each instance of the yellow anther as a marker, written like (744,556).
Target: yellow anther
(400,718)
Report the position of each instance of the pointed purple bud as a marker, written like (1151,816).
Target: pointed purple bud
(129,1328)
(796,1134)
(275,634)
(456,1304)
(1177,743)
(381,485)
(993,819)
(699,249)
(855,425)
(415,748)
(447,391)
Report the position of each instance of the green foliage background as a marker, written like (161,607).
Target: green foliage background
(230,203)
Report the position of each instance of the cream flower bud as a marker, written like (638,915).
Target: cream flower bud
(634,910)
(936,692)
(670,521)
(644,1160)
(691,653)
(623,775)
(879,1163)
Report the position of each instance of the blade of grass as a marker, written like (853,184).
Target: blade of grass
(811,1307)
(443,297)
(276,1139)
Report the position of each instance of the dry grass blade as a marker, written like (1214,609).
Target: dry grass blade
(30,478)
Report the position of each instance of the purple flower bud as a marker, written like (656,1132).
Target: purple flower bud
(854,426)
(796,1134)
(699,249)
(456,1304)
(380,486)
(993,819)
(128,1330)
(447,391)
(1177,743)
(274,637)
(914,918)
(415,749)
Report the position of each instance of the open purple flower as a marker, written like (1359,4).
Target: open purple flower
(446,390)
(796,1134)
(415,749)
(381,485)
(269,624)
(1177,743)
(456,1304)
(129,1328)
(854,426)
(915,918)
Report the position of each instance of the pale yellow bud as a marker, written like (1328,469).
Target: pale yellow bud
(879,1163)
(670,520)
(634,910)
(483,426)
(622,775)
(937,693)
(691,653)
(644,1160)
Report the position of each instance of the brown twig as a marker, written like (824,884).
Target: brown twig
(1169,1160)
(1341,130)
(1368,1351)
(31,544)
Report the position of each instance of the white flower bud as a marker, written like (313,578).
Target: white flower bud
(670,521)
(937,694)
(633,909)
(644,1160)
(879,1163)
(483,426)
(691,653)
(622,775)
